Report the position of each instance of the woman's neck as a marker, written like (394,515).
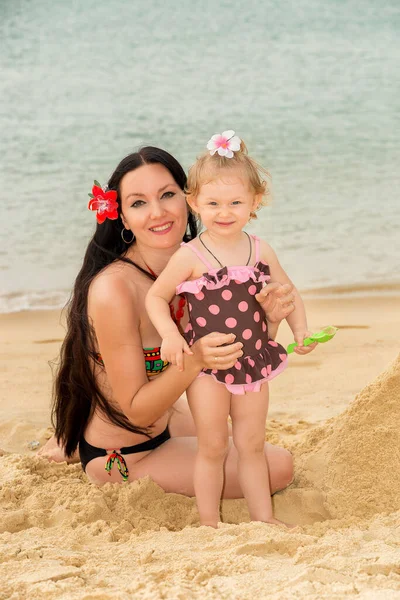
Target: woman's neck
(151,259)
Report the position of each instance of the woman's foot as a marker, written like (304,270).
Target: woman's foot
(54,452)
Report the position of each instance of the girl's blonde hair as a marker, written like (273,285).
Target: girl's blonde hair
(208,168)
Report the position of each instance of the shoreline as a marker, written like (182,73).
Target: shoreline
(355,290)
(381,289)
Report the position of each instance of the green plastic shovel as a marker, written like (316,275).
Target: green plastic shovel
(321,337)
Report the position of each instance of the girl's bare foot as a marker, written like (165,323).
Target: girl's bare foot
(274,521)
(53,452)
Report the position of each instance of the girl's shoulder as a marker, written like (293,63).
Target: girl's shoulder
(267,254)
(188,246)
(186,250)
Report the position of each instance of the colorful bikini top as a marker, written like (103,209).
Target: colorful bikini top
(152,359)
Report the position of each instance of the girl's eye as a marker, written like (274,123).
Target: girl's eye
(213,203)
(168,195)
(137,203)
(236,202)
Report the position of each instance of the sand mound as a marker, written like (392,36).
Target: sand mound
(354,458)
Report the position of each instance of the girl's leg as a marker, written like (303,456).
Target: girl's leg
(181,422)
(249,414)
(209,403)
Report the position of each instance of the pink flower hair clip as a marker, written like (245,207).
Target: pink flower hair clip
(105,202)
(225,143)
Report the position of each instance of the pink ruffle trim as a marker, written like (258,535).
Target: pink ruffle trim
(255,386)
(218,278)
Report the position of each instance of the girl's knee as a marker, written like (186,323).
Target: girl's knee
(217,447)
(249,446)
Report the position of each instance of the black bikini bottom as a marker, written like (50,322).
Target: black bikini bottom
(87,452)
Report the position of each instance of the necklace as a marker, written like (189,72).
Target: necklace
(175,316)
(220,264)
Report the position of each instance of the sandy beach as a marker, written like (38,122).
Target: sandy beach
(337,410)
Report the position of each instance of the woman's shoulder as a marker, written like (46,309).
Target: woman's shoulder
(114,286)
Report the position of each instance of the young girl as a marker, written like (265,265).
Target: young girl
(219,273)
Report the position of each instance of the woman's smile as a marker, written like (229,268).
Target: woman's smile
(162,229)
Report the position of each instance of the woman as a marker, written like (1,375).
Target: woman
(113,395)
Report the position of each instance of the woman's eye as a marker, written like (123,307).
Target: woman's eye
(137,203)
(168,195)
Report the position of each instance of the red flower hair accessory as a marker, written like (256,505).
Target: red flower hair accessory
(105,202)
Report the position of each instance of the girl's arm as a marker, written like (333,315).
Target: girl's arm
(114,317)
(297,320)
(179,268)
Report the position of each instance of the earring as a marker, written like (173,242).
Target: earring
(122,235)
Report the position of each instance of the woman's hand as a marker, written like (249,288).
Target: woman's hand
(217,351)
(299,338)
(277,301)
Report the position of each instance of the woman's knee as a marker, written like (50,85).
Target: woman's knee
(283,470)
(288,466)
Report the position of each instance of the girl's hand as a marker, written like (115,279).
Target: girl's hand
(217,351)
(299,338)
(277,301)
(172,347)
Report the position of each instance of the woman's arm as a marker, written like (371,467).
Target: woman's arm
(277,301)
(112,311)
(272,329)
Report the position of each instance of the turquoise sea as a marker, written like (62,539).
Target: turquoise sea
(312,86)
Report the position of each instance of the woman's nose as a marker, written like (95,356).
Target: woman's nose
(157,210)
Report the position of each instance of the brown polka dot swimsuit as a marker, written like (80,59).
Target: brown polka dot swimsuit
(224,300)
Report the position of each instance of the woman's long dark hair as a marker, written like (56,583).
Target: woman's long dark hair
(76,393)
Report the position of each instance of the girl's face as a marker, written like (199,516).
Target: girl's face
(225,204)
(153,206)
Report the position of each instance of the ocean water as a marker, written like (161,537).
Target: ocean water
(313,87)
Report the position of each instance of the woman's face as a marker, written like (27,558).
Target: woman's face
(153,206)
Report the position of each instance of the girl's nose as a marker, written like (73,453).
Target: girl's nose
(224,210)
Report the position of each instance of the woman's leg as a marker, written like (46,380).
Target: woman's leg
(171,466)
(55,453)
(181,424)
(209,403)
